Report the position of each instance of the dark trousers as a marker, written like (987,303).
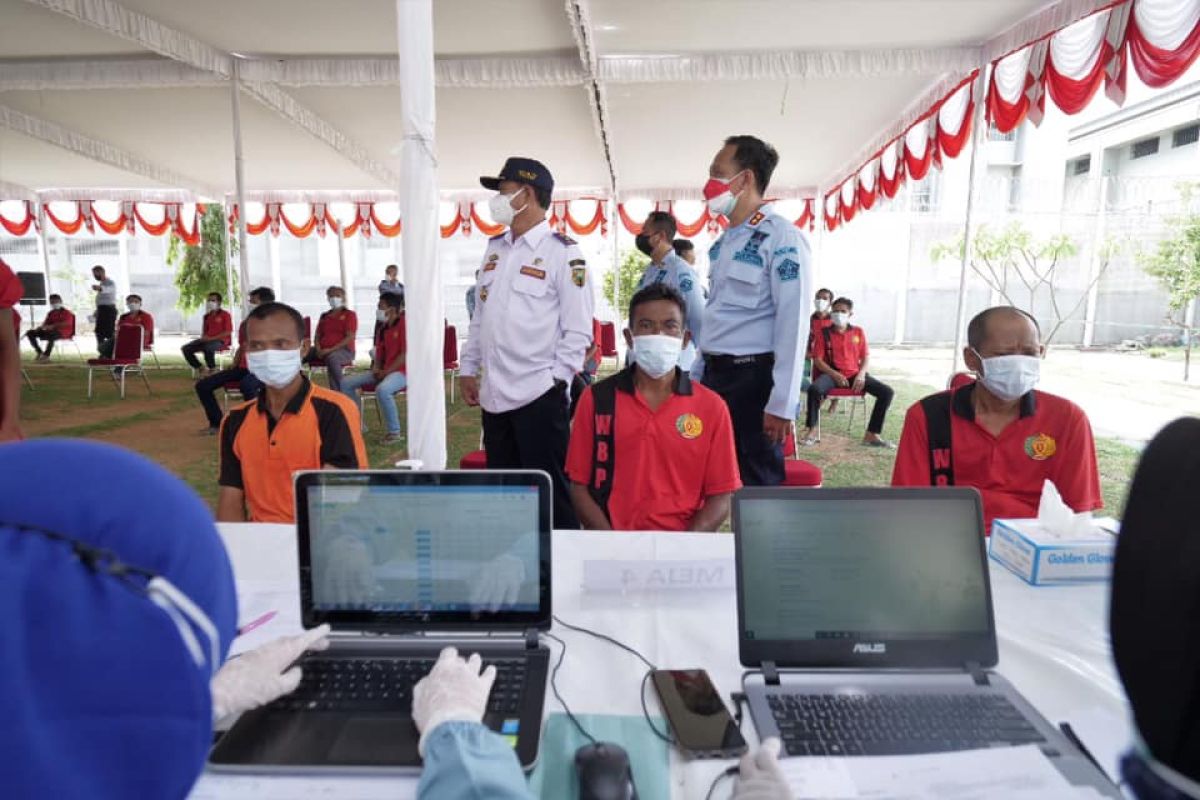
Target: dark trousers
(876,388)
(207,388)
(745,385)
(49,337)
(534,436)
(106,325)
(209,348)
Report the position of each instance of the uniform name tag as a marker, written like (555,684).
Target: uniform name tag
(534,272)
(489,266)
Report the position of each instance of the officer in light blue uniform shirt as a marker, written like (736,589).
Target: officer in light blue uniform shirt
(756,320)
(657,241)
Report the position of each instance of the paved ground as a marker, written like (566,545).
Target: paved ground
(1127,396)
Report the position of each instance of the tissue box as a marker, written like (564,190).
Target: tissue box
(1025,548)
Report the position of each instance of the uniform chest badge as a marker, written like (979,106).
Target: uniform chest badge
(579,276)
(1040,447)
(537,262)
(489,266)
(855,339)
(689,426)
(483,294)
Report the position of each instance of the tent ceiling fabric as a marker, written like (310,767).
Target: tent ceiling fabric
(821,81)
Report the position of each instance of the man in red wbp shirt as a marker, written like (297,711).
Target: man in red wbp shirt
(999,434)
(11,292)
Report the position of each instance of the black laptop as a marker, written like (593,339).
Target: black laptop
(402,564)
(865,616)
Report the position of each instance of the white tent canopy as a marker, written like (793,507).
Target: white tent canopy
(596,89)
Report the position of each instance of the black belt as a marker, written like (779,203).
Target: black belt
(720,361)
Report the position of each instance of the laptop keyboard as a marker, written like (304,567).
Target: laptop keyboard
(881,725)
(386,684)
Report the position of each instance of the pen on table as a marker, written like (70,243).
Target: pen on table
(258,622)
(1074,739)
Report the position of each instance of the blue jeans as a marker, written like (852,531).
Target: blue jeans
(384,391)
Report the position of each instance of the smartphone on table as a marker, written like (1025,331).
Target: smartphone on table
(698,717)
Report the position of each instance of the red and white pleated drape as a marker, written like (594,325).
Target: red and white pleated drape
(71,217)
(707,221)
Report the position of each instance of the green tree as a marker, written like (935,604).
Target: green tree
(201,270)
(1176,266)
(633,264)
(1013,259)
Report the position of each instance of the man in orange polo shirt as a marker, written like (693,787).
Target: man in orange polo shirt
(216,334)
(999,434)
(336,329)
(840,354)
(650,449)
(293,425)
(11,292)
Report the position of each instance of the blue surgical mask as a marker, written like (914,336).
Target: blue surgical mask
(275,368)
(1010,377)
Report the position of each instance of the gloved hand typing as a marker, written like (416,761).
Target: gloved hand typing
(454,689)
(759,775)
(262,675)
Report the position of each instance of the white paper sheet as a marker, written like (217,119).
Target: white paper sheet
(213,786)
(256,599)
(1012,773)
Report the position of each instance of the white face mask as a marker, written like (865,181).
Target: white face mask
(275,368)
(500,206)
(134,308)
(822,305)
(655,354)
(336,302)
(380,315)
(210,305)
(1010,377)
(840,318)
(56,306)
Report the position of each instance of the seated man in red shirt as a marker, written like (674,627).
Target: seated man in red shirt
(841,357)
(335,333)
(58,324)
(134,316)
(216,335)
(388,368)
(650,449)
(998,434)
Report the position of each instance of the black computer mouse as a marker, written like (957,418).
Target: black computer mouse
(604,774)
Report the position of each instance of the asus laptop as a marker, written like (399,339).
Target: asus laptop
(402,564)
(865,617)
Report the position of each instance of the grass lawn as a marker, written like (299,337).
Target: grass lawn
(166,428)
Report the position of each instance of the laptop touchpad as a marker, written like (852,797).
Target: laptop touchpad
(376,740)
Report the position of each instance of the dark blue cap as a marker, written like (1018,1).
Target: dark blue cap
(522,170)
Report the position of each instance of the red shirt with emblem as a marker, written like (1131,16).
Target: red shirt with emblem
(1050,440)
(665,462)
(334,326)
(391,342)
(218,324)
(847,348)
(147,324)
(62,321)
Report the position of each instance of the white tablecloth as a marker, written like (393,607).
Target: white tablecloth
(1053,640)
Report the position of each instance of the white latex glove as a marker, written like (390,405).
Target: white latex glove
(498,583)
(262,675)
(349,575)
(454,689)
(759,775)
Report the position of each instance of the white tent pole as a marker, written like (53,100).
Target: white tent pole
(342,267)
(616,232)
(235,86)
(978,137)
(228,255)
(43,246)
(419,202)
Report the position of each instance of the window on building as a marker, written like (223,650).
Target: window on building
(1014,189)
(994,135)
(93,247)
(1146,147)
(1081,166)
(26,246)
(1185,136)
(926,193)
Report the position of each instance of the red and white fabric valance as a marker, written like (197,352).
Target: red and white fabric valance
(707,221)
(1161,38)
(71,217)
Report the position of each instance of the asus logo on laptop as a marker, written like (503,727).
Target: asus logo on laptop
(870,647)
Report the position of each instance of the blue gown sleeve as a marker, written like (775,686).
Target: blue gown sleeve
(466,761)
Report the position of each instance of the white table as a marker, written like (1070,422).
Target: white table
(1053,640)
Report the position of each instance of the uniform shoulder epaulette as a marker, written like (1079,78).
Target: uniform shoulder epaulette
(567,240)
(498,236)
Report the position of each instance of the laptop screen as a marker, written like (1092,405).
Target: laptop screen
(862,574)
(414,549)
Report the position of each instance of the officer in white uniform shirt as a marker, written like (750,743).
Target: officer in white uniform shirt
(756,320)
(532,325)
(657,240)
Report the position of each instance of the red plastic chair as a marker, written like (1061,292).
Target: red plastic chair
(796,471)
(126,358)
(476,459)
(959,380)
(367,392)
(608,340)
(450,355)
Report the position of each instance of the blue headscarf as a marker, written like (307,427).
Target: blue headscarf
(100,696)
